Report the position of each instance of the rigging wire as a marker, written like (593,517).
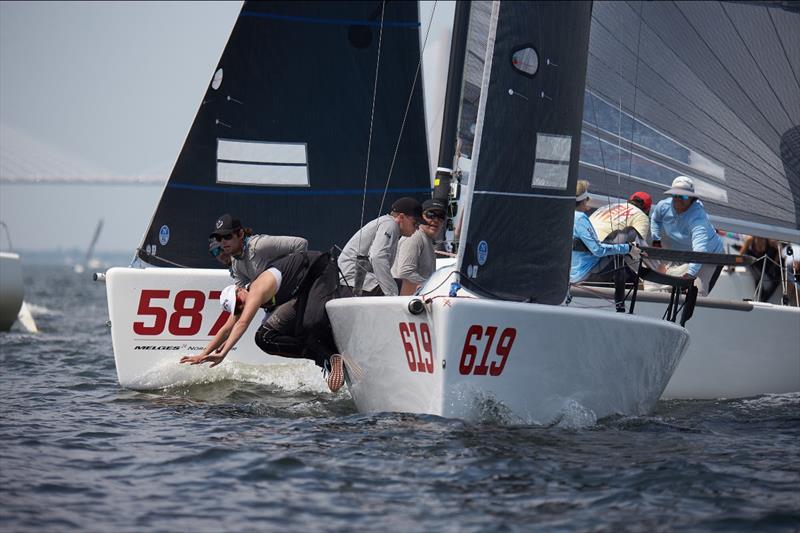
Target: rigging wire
(635,87)
(371,122)
(405,114)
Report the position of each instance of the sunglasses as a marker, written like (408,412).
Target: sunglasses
(434,214)
(680,197)
(220,238)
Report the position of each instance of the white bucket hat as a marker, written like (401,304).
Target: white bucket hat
(682,185)
(227,299)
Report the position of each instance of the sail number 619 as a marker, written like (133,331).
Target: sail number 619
(469,355)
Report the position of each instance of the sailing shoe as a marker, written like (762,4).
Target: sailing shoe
(336,375)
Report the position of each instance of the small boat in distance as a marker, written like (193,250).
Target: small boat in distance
(12,290)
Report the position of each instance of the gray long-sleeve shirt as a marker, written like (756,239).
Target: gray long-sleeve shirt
(261,250)
(416,258)
(378,241)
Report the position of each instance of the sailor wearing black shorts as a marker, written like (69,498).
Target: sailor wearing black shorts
(301,329)
(309,278)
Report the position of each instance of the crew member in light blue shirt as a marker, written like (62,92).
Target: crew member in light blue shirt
(589,254)
(682,223)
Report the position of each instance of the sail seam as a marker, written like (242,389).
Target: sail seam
(336,22)
(525,195)
(293,192)
(262,163)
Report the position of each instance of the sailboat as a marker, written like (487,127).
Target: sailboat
(12,290)
(708,90)
(88,260)
(300,132)
(494,330)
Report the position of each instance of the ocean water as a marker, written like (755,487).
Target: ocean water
(272,450)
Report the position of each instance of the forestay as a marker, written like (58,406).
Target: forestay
(517,238)
(284,133)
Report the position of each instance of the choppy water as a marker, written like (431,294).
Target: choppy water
(79,452)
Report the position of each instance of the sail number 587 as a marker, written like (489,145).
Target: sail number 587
(477,335)
(184,319)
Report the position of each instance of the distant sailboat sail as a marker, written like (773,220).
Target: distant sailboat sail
(525,159)
(287,128)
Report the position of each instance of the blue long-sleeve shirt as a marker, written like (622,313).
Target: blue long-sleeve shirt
(690,230)
(584,262)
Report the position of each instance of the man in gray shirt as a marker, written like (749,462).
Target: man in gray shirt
(252,253)
(416,257)
(377,243)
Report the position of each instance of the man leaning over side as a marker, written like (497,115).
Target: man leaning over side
(251,255)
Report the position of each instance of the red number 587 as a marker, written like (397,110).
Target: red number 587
(186,317)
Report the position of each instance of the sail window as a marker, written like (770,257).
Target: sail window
(217,80)
(262,163)
(551,169)
(525,61)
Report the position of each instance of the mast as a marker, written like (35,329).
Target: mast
(452,101)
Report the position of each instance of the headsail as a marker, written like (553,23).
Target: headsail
(282,136)
(517,241)
(704,89)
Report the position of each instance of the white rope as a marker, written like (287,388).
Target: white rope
(408,105)
(371,120)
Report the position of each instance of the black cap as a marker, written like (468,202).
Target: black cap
(436,204)
(226,224)
(409,206)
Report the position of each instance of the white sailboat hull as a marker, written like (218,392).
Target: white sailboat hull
(738,349)
(11,289)
(160,314)
(463,356)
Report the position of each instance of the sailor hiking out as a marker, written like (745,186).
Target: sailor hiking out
(306,279)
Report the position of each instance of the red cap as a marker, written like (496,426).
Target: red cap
(642,197)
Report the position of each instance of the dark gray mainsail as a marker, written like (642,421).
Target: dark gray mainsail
(287,129)
(516,242)
(703,89)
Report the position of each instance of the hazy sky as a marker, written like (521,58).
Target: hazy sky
(108,90)
(104,90)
